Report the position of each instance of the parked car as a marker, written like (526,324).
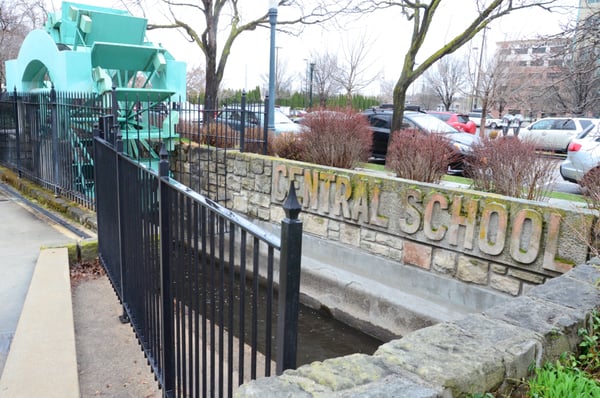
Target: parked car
(254,116)
(555,133)
(583,154)
(381,122)
(490,121)
(459,121)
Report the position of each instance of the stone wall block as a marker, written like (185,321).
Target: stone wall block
(248,184)
(417,254)
(444,261)
(576,292)
(446,356)
(314,224)
(240,167)
(557,325)
(499,269)
(519,347)
(257,165)
(339,374)
(472,270)
(526,276)
(234,183)
(505,284)
(240,204)
(375,248)
(367,235)
(274,387)
(277,214)
(350,234)
(263,184)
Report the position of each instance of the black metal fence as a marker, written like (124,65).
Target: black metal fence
(47,136)
(196,280)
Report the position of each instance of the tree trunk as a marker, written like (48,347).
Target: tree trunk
(399,100)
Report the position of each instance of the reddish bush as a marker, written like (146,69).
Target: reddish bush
(417,156)
(287,145)
(340,138)
(511,167)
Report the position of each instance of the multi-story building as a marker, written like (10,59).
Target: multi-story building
(544,77)
(528,71)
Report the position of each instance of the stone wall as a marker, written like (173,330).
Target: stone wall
(500,243)
(479,353)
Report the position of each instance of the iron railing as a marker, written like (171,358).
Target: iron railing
(47,136)
(195,279)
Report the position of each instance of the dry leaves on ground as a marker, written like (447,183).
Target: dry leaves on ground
(85,270)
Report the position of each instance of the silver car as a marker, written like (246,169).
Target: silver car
(555,133)
(583,155)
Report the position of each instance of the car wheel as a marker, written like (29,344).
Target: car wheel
(493,126)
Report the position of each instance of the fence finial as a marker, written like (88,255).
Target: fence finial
(291,206)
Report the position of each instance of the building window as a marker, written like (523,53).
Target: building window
(538,50)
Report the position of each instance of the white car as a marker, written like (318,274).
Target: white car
(490,121)
(555,133)
(583,155)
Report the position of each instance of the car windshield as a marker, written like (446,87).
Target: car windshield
(430,123)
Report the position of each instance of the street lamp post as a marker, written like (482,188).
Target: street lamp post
(273,22)
(310,90)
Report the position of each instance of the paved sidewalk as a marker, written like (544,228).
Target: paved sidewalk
(110,361)
(21,235)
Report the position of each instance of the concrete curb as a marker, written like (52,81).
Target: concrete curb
(69,209)
(43,348)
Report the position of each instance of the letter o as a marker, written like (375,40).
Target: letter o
(485,244)
(533,249)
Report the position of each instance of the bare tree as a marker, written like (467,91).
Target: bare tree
(353,69)
(196,81)
(575,71)
(324,70)
(422,15)
(204,22)
(17,18)
(283,80)
(447,79)
(493,88)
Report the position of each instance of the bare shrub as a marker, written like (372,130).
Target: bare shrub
(511,167)
(287,145)
(254,141)
(417,156)
(339,138)
(217,134)
(591,188)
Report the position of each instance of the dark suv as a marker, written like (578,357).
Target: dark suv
(381,122)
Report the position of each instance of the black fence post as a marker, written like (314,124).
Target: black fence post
(266,125)
(17,135)
(289,283)
(54,132)
(167,337)
(118,146)
(243,123)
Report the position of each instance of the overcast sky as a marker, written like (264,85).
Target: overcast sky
(387,31)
